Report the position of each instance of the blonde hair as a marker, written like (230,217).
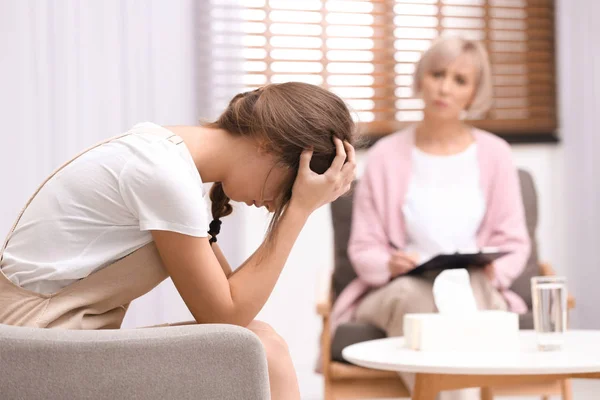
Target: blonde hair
(445,50)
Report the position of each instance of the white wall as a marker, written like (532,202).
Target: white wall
(546,163)
(579,64)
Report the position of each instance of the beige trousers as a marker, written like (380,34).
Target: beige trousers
(385,308)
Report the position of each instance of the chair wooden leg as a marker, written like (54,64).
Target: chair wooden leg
(566,390)
(487,393)
(328,389)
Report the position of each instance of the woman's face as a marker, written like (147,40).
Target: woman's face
(449,90)
(256,180)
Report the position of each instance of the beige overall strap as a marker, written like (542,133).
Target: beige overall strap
(171,137)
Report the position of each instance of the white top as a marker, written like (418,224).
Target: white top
(580,354)
(444,204)
(102,206)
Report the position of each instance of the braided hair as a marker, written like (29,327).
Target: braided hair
(220,208)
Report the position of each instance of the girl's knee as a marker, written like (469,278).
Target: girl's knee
(282,375)
(260,326)
(275,346)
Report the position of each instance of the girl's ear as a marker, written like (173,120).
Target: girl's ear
(263,150)
(263,147)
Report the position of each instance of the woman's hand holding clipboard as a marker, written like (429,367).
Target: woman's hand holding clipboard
(401,263)
(440,262)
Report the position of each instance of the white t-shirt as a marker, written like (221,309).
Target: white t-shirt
(444,205)
(102,206)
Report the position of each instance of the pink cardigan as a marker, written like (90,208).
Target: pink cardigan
(377,217)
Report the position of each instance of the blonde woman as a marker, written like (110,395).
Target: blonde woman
(436,187)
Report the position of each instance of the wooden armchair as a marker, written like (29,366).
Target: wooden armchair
(345,381)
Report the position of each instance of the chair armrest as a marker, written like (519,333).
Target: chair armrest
(323,310)
(324,292)
(179,362)
(547,270)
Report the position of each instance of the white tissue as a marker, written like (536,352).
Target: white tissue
(459,326)
(452,292)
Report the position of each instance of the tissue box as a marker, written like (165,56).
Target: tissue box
(475,331)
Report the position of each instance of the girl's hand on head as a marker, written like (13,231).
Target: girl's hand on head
(311,190)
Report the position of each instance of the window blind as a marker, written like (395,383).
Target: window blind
(365,51)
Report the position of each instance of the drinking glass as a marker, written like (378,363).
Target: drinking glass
(549,298)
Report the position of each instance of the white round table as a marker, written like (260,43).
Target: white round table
(436,371)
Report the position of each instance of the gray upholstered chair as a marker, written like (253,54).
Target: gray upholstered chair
(177,362)
(347,381)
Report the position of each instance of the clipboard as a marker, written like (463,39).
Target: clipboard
(458,260)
